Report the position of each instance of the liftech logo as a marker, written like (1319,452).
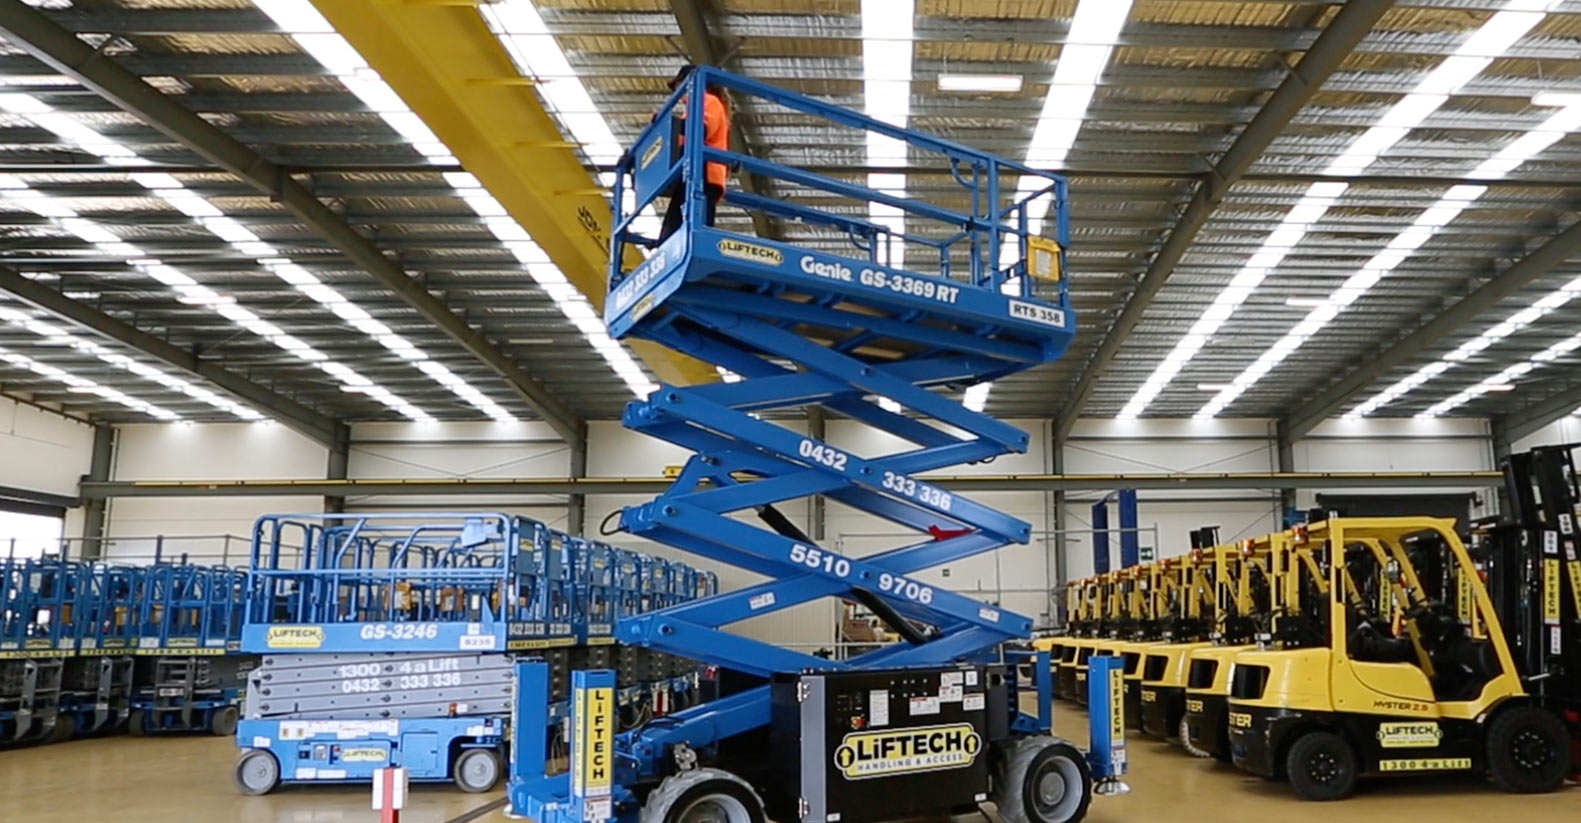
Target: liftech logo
(923,749)
(753,252)
(294,637)
(1408,735)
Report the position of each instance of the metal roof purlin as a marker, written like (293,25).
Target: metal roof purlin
(450,69)
(1325,401)
(1336,43)
(63,51)
(305,421)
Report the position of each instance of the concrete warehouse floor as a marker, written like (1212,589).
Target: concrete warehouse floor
(159,780)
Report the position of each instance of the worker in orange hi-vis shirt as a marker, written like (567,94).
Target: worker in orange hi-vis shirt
(716,133)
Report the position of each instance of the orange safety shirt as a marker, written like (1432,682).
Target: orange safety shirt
(716,133)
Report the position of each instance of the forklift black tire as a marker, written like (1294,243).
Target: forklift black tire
(1528,750)
(476,770)
(257,772)
(223,723)
(1040,779)
(137,723)
(1322,766)
(702,796)
(65,728)
(1185,741)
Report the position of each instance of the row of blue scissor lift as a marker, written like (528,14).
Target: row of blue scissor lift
(91,647)
(361,640)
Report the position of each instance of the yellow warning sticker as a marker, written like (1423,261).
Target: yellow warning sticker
(1116,704)
(364,755)
(1551,589)
(593,770)
(652,153)
(1424,764)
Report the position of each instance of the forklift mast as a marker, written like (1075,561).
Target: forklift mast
(1533,561)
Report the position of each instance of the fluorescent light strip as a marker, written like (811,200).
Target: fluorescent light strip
(1094,31)
(1504,379)
(206,215)
(83,385)
(169,189)
(59,335)
(1514,323)
(886,96)
(1501,31)
(558,84)
(189,291)
(1427,224)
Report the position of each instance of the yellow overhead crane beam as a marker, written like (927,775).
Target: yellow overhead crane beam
(443,61)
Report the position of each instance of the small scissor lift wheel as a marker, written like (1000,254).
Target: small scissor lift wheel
(257,772)
(703,796)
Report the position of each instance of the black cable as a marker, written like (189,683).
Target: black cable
(603,532)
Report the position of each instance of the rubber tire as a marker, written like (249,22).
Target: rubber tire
(223,722)
(65,728)
(678,792)
(1015,794)
(469,784)
(266,761)
(1315,744)
(137,723)
(1185,741)
(1516,722)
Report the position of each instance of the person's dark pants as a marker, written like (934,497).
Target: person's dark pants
(677,195)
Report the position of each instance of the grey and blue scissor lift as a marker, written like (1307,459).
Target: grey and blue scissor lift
(930,724)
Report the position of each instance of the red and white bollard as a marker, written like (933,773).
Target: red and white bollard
(389,793)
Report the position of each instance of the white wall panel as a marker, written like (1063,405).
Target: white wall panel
(211,451)
(1566,429)
(1394,444)
(459,451)
(41,451)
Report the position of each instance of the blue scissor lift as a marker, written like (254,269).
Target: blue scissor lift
(190,672)
(806,327)
(97,689)
(38,599)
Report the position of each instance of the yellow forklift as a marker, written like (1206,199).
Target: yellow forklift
(1157,587)
(1088,595)
(1443,678)
(1162,694)
(1109,605)
(1243,605)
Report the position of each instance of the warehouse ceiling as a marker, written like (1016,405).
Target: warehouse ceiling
(1414,174)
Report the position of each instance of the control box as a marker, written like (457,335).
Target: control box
(864,746)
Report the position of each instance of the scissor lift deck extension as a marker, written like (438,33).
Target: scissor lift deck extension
(806,328)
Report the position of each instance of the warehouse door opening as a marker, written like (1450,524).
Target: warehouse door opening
(24,535)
